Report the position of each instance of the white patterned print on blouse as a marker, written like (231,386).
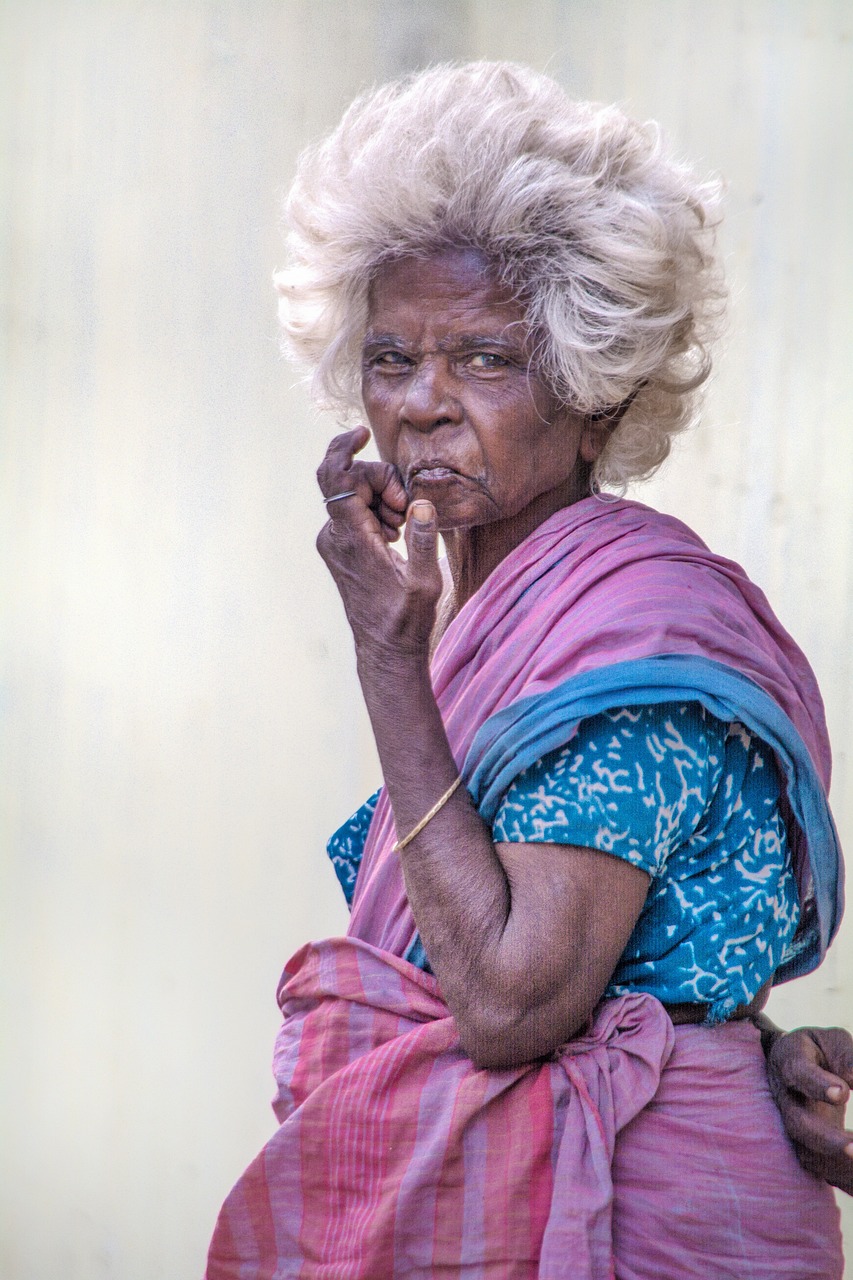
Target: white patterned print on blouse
(346,846)
(694,802)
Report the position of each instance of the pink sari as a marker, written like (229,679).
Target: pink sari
(638,1149)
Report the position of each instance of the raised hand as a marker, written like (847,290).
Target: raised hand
(390,602)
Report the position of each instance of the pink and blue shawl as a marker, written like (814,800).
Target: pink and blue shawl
(395,1155)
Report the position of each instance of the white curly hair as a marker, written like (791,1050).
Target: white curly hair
(582,212)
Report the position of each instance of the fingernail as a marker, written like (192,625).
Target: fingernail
(848,1150)
(421,512)
(834,1093)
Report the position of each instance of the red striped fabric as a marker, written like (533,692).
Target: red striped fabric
(640,1151)
(395,1155)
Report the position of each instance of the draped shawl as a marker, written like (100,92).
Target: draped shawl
(609,604)
(395,1155)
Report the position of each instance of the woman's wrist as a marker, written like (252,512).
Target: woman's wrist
(382,661)
(768,1030)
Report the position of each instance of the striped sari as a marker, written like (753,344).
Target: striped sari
(637,1150)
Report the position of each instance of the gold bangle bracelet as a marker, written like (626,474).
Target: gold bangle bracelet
(439,804)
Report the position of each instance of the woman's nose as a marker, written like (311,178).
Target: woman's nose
(430,400)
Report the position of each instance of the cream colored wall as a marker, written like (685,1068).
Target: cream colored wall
(181,724)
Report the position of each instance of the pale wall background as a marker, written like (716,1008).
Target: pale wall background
(181,727)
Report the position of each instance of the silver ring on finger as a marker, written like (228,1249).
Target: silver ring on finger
(339,497)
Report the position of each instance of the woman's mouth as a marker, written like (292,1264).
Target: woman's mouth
(434,473)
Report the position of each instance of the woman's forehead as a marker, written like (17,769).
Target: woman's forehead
(453,287)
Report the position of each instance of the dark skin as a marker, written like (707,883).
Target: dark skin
(811,1073)
(474,445)
(467,429)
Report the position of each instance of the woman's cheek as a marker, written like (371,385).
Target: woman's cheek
(382,417)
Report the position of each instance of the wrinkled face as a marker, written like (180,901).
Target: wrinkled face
(454,399)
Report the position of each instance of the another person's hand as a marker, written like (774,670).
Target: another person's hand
(390,602)
(811,1075)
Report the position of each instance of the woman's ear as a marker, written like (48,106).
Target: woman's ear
(599,426)
(594,436)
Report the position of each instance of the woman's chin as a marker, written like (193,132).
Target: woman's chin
(452,519)
(453,510)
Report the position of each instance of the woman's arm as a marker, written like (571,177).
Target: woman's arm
(811,1073)
(523,939)
(523,943)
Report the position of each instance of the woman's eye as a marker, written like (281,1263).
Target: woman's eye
(390,360)
(488,360)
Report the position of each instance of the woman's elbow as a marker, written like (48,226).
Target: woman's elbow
(502,1041)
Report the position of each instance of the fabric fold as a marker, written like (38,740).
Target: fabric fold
(397,1156)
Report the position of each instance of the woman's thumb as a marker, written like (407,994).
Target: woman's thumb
(422,539)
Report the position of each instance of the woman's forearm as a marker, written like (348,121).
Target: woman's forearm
(456,884)
(768,1030)
(522,946)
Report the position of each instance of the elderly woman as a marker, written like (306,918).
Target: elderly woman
(603,831)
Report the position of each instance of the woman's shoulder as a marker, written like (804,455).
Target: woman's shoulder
(634,781)
(608,517)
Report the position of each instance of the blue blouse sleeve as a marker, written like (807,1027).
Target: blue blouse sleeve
(635,782)
(692,801)
(346,847)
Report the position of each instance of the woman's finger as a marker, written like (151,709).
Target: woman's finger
(422,547)
(813,1082)
(836,1047)
(338,459)
(799,1061)
(835,1169)
(362,506)
(816,1129)
(367,497)
(339,468)
(393,492)
(346,444)
(389,517)
(356,492)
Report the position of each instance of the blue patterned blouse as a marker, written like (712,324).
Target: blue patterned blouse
(692,801)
